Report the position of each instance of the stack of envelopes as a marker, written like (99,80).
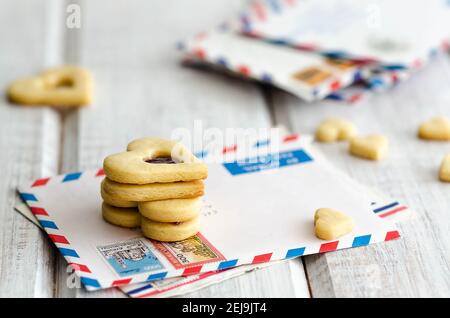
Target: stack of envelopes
(251,215)
(335,49)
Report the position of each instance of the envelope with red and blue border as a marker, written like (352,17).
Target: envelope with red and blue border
(259,207)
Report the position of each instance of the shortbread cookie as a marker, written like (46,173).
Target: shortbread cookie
(151,160)
(331,224)
(444,171)
(124,217)
(153,191)
(437,128)
(111,200)
(170,232)
(66,86)
(372,147)
(175,210)
(335,129)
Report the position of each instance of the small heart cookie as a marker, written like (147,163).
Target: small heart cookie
(437,128)
(334,129)
(331,224)
(444,171)
(66,86)
(372,147)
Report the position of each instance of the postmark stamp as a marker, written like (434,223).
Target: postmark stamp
(130,257)
(193,251)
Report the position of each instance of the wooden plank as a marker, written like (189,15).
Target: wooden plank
(29,139)
(143,91)
(419,263)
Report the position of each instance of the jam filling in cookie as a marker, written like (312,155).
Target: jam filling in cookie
(159,160)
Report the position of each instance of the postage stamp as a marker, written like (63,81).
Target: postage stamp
(130,257)
(195,250)
(312,75)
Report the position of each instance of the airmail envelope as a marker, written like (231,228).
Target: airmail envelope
(399,33)
(255,210)
(306,75)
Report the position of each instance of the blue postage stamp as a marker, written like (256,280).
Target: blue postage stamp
(130,257)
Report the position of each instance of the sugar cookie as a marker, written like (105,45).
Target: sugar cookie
(124,217)
(111,200)
(66,86)
(372,147)
(334,129)
(170,232)
(437,128)
(331,224)
(444,171)
(176,210)
(151,160)
(153,191)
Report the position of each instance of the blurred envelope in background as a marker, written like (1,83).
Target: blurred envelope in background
(397,33)
(306,75)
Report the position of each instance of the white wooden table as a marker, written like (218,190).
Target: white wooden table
(143,91)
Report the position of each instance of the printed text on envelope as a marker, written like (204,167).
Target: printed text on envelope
(269,161)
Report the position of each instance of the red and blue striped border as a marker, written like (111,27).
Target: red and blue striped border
(60,240)
(389,209)
(69,177)
(257,144)
(358,241)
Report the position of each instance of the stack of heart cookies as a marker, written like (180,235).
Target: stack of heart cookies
(156,184)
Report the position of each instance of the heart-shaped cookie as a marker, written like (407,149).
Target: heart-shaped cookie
(334,129)
(372,147)
(154,160)
(437,128)
(331,224)
(65,86)
(444,171)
